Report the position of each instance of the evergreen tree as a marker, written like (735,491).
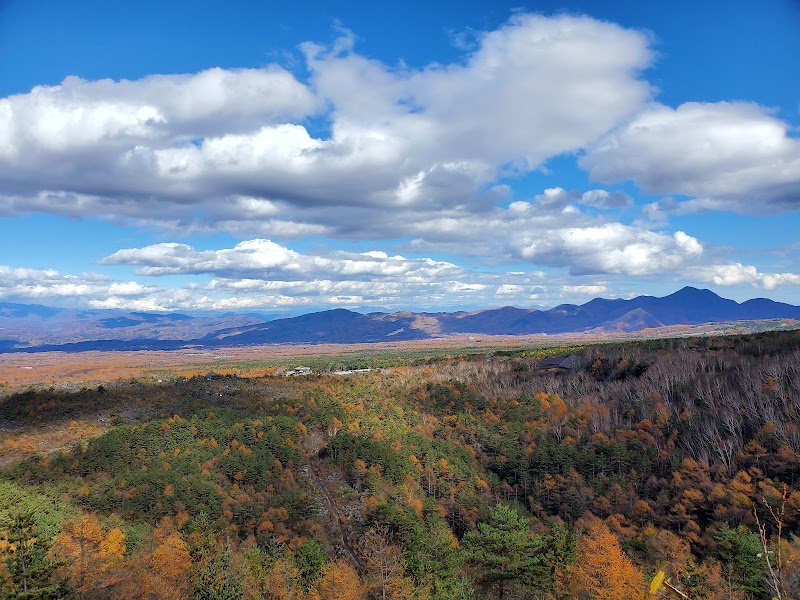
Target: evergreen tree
(309,559)
(30,569)
(741,554)
(434,560)
(558,550)
(504,550)
(214,578)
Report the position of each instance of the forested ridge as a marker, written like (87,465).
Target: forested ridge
(470,476)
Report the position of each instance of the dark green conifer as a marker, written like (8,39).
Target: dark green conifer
(31,571)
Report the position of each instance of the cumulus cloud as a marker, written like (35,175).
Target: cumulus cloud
(559,199)
(530,90)
(610,248)
(421,155)
(261,272)
(269,260)
(437,137)
(739,274)
(584,290)
(725,156)
(36,284)
(260,268)
(605,200)
(122,114)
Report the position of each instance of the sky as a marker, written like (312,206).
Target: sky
(288,157)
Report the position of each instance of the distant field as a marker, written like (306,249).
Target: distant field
(54,368)
(67,369)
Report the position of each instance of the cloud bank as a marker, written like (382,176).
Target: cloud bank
(725,156)
(364,151)
(397,138)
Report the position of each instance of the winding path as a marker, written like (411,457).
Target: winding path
(312,464)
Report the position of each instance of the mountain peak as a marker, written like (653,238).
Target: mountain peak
(26,326)
(693,292)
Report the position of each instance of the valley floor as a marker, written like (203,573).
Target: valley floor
(73,369)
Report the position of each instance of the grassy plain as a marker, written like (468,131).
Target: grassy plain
(69,369)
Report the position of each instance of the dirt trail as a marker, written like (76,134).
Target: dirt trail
(312,469)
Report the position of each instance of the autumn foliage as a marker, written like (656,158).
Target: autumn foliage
(602,571)
(463,477)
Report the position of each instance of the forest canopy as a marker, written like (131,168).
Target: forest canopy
(469,476)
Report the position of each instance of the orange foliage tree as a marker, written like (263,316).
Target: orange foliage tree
(602,571)
(340,581)
(385,566)
(91,555)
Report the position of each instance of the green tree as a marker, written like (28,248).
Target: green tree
(434,560)
(30,569)
(309,559)
(503,549)
(742,557)
(558,550)
(214,578)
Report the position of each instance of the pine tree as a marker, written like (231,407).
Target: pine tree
(558,551)
(504,550)
(435,559)
(309,559)
(214,577)
(742,558)
(29,566)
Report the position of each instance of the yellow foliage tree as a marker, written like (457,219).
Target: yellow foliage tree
(340,581)
(602,571)
(158,574)
(91,555)
(113,545)
(385,566)
(284,581)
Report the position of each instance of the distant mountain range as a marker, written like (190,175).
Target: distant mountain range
(35,328)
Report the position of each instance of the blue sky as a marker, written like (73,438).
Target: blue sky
(296,156)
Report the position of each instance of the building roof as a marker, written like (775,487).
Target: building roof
(298,371)
(558,362)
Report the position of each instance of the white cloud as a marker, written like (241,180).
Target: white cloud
(739,274)
(532,89)
(559,199)
(164,149)
(610,248)
(259,273)
(408,154)
(172,258)
(269,260)
(42,284)
(584,290)
(509,289)
(365,281)
(726,155)
(654,215)
(264,269)
(79,113)
(606,200)
(539,233)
